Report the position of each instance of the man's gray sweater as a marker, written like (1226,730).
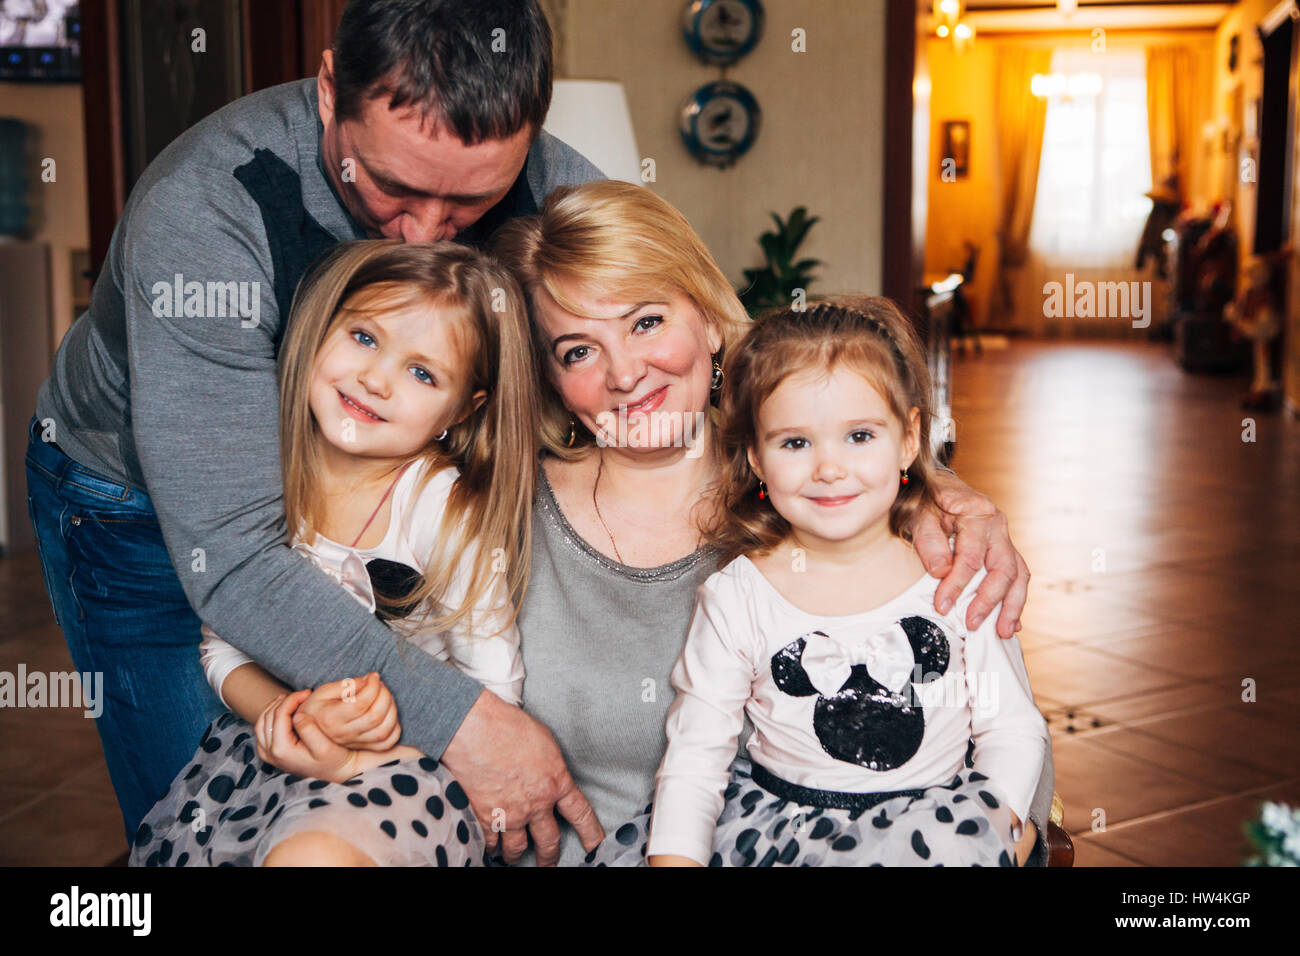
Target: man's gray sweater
(168,384)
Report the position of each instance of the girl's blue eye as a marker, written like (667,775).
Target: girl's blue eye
(861,436)
(572,355)
(359,336)
(656,319)
(790,443)
(427,379)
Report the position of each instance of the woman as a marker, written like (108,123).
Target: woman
(631,320)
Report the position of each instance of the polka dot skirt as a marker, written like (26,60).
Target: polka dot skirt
(960,824)
(229,808)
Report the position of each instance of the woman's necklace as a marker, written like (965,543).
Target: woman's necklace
(599,468)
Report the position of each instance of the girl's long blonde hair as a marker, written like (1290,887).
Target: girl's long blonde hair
(494,448)
(612,239)
(865,334)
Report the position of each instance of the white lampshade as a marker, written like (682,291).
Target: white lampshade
(592,117)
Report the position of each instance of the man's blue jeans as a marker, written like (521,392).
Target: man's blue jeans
(124,614)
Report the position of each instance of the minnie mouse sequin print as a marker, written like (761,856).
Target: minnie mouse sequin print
(866,721)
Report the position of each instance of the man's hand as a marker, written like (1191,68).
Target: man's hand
(982,541)
(512,770)
(359,714)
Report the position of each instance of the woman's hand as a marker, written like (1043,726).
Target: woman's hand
(982,541)
(358,714)
(292,741)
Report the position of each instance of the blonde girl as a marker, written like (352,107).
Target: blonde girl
(407,393)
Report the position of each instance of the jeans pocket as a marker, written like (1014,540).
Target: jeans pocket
(47,573)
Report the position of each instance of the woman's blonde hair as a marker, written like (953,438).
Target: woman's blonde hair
(867,335)
(494,447)
(611,239)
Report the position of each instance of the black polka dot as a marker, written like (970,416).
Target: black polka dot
(225,720)
(317,802)
(405,784)
(187,812)
(844,844)
(203,836)
(880,821)
(988,798)
(357,800)
(745,842)
(456,796)
(440,855)
(976,775)
(165,851)
(751,800)
(248,834)
(434,806)
(318,785)
(715,860)
(821,829)
(152,859)
(591,855)
(379,797)
(968,828)
(243,813)
(918,844)
(211,745)
(780,825)
(1004,860)
(427,764)
(943,815)
(789,853)
(419,828)
(731,791)
(270,804)
(769,857)
(221,787)
(462,832)
(390,828)
(182,859)
(959,798)
(291,779)
(145,833)
(626,834)
(247,755)
(194,771)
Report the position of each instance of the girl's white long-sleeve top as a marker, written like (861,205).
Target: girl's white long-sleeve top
(743,630)
(494,661)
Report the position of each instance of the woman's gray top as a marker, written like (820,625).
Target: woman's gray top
(599,641)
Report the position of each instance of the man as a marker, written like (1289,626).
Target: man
(154,470)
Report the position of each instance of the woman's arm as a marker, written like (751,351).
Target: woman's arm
(983,541)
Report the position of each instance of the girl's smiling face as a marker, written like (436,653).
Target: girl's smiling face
(830,451)
(386,382)
(638,371)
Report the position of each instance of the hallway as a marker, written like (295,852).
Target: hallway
(1104,456)
(1166,556)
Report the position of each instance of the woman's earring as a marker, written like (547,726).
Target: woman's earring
(572,431)
(716,384)
(442,436)
(762,490)
(904,479)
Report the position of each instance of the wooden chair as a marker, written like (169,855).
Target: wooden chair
(1060,848)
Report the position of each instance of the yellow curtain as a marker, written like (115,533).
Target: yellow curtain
(1020,118)
(1170,104)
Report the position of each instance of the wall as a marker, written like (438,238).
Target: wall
(60,213)
(820,145)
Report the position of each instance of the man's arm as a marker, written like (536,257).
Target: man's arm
(205,410)
(982,541)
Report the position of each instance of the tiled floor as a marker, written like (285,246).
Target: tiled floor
(1166,560)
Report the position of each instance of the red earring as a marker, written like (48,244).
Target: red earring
(762,491)
(904,479)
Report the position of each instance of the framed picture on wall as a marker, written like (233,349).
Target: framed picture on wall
(954,160)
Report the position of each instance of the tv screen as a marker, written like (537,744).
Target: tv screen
(40,40)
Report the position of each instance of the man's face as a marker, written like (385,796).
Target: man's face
(403,180)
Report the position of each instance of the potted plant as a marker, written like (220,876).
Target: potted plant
(775,283)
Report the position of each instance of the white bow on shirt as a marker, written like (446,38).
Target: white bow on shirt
(354,577)
(887,655)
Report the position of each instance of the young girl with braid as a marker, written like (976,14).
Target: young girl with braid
(821,628)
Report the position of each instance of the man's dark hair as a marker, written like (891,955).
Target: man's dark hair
(438,56)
